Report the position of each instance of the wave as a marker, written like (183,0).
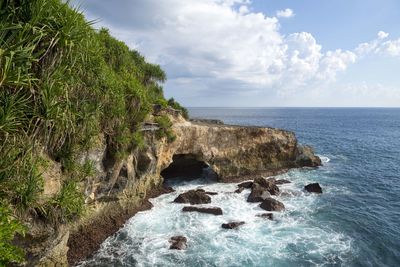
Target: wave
(292,238)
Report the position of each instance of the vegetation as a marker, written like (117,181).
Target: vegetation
(165,128)
(62,84)
(172,103)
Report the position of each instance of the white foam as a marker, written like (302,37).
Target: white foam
(290,239)
(324,159)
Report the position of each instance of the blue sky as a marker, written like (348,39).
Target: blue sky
(256,53)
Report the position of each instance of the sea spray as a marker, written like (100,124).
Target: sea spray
(291,238)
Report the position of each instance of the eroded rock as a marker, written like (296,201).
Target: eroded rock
(247,184)
(268,216)
(313,188)
(178,242)
(258,193)
(232,225)
(282,181)
(271,204)
(193,197)
(211,210)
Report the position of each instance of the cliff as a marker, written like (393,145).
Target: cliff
(120,188)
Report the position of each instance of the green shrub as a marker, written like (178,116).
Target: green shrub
(172,103)
(9,226)
(165,130)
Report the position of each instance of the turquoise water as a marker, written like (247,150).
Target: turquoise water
(355,222)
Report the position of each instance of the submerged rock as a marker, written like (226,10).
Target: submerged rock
(258,193)
(239,190)
(282,181)
(271,204)
(247,184)
(268,216)
(231,225)
(313,188)
(212,210)
(211,193)
(178,242)
(193,197)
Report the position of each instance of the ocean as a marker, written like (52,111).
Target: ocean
(355,222)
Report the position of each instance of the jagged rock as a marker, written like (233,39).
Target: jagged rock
(193,197)
(178,242)
(271,204)
(212,210)
(313,188)
(258,193)
(268,216)
(282,181)
(232,225)
(268,184)
(247,184)
(306,157)
(239,190)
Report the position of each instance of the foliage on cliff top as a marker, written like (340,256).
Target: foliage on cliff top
(62,84)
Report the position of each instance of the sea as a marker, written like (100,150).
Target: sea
(355,222)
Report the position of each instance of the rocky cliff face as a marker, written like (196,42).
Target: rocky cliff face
(120,188)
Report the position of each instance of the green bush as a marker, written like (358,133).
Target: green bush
(172,103)
(165,130)
(9,226)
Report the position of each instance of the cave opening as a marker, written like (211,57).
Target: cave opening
(186,167)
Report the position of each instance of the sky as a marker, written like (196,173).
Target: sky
(264,53)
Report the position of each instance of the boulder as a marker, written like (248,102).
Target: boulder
(282,181)
(247,184)
(178,242)
(231,225)
(313,188)
(193,197)
(258,193)
(306,157)
(212,210)
(271,204)
(239,190)
(268,184)
(268,216)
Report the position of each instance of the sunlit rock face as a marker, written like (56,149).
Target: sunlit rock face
(120,187)
(235,152)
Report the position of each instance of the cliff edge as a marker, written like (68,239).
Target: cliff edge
(121,187)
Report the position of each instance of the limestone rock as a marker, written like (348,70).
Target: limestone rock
(178,242)
(193,197)
(212,210)
(271,204)
(313,188)
(232,225)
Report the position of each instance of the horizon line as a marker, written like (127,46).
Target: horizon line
(374,107)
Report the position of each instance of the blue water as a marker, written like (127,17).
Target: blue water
(355,222)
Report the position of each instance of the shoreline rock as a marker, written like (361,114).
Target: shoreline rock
(178,242)
(193,197)
(211,210)
(232,225)
(271,204)
(313,188)
(269,216)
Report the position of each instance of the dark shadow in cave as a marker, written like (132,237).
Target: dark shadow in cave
(186,168)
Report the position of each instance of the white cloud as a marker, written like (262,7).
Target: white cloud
(380,46)
(221,49)
(287,13)
(382,35)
